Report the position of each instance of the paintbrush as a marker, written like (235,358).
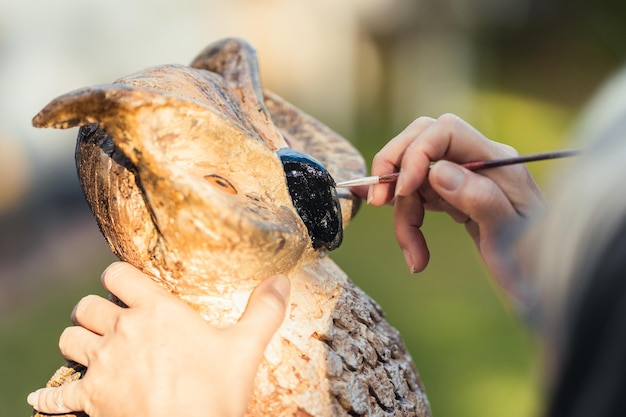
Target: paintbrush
(472,166)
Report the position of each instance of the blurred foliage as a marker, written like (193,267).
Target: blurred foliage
(29,354)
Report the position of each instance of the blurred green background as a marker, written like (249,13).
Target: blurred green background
(519,70)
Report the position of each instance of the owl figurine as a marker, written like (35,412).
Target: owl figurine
(209,184)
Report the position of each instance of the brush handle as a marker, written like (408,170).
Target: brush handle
(494,163)
(473,166)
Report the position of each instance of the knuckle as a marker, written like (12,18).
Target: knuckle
(125,325)
(418,126)
(384,159)
(401,231)
(84,304)
(379,157)
(96,356)
(507,150)
(64,340)
(422,121)
(448,119)
(478,197)
(404,229)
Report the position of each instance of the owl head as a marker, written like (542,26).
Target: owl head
(194,172)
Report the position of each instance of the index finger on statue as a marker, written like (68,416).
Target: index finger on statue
(130,285)
(389,158)
(93,312)
(59,400)
(449,138)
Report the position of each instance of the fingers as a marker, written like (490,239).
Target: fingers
(77,343)
(408,217)
(58,400)
(95,313)
(130,285)
(448,138)
(360,191)
(266,309)
(390,157)
(422,142)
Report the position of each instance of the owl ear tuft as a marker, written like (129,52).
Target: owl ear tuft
(91,105)
(235,60)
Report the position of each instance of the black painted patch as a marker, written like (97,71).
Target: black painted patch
(313,194)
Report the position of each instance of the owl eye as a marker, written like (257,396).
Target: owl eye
(314,197)
(221,183)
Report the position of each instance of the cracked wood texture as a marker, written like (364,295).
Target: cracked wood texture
(148,152)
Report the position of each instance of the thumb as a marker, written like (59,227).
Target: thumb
(57,400)
(476,195)
(266,309)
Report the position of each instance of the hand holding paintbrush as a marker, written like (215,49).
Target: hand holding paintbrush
(472,166)
(483,204)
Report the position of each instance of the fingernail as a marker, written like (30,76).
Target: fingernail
(409,260)
(449,176)
(33,399)
(370,195)
(281,284)
(399,187)
(111,269)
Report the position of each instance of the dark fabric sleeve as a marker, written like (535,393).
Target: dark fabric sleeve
(592,374)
